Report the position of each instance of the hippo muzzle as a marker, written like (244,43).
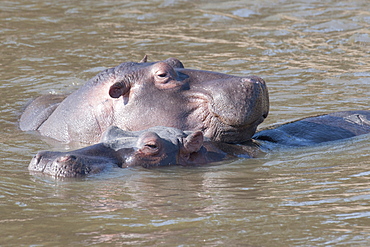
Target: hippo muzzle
(230,109)
(58,164)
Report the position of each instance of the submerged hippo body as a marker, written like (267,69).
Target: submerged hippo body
(319,129)
(156,146)
(136,96)
(160,146)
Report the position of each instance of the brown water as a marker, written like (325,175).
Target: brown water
(314,56)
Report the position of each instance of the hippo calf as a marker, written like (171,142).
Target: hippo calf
(162,146)
(137,96)
(156,146)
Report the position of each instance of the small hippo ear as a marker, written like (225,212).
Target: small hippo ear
(193,142)
(144,60)
(118,89)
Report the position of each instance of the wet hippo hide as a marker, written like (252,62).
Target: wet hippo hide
(318,129)
(137,96)
(156,146)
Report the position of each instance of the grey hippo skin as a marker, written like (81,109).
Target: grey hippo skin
(137,96)
(314,130)
(162,146)
(156,146)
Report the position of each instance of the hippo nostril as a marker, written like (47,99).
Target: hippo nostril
(67,158)
(253,80)
(37,157)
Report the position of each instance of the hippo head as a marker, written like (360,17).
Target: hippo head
(157,146)
(136,96)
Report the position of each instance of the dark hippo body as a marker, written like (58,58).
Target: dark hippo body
(314,130)
(137,96)
(161,146)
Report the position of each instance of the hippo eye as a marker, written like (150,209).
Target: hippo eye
(150,148)
(165,80)
(164,74)
(153,146)
(165,77)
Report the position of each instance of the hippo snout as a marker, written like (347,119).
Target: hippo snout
(35,164)
(52,163)
(238,107)
(60,164)
(40,161)
(68,165)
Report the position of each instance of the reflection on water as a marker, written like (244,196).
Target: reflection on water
(314,56)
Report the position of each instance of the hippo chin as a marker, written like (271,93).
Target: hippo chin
(137,96)
(156,146)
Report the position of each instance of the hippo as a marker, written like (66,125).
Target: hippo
(163,146)
(156,146)
(136,96)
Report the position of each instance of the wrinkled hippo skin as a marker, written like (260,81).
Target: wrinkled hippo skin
(137,96)
(161,146)
(156,146)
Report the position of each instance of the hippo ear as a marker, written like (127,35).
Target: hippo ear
(144,60)
(193,142)
(118,89)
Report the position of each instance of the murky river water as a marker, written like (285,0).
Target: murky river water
(315,57)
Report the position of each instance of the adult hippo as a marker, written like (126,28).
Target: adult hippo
(136,96)
(162,146)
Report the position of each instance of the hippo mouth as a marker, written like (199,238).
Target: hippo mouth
(217,127)
(222,132)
